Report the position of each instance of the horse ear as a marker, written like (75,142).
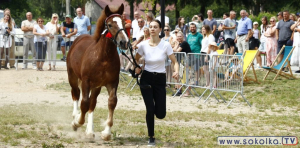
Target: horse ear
(107,11)
(121,9)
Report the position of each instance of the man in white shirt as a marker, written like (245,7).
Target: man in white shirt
(135,25)
(27,27)
(82,22)
(140,31)
(166,19)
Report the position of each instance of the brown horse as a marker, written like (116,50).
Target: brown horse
(93,62)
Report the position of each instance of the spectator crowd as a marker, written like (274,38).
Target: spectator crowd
(235,36)
(40,39)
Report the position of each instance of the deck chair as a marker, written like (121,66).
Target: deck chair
(249,56)
(285,62)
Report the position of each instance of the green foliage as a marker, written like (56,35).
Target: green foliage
(260,15)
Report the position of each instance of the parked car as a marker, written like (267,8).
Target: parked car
(19,43)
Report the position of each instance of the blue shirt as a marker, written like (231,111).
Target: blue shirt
(245,24)
(82,24)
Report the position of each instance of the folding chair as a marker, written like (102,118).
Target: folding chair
(249,56)
(285,62)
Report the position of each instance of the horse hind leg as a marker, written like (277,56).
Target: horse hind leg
(93,101)
(79,119)
(75,91)
(112,103)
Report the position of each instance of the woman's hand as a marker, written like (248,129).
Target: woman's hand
(138,70)
(175,75)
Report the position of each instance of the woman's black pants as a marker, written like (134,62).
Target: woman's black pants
(154,97)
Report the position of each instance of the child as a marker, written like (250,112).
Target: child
(233,70)
(256,35)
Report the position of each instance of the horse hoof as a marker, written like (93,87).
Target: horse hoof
(106,136)
(75,126)
(90,136)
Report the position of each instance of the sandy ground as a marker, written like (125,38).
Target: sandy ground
(30,86)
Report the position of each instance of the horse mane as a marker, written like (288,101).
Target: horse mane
(101,22)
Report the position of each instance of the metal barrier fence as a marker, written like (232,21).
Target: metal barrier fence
(212,73)
(45,49)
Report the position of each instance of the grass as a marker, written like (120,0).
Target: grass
(49,126)
(276,105)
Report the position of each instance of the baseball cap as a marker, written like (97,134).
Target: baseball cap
(68,16)
(255,23)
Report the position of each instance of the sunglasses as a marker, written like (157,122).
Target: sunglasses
(272,21)
(140,21)
(55,17)
(176,32)
(40,21)
(166,30)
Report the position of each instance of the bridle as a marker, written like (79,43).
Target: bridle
(114,40)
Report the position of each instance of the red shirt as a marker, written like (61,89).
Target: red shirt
(128,29)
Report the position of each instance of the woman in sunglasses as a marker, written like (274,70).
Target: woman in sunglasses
(53,28)
(40,43)
(173,39)
(271,42)
(167,30)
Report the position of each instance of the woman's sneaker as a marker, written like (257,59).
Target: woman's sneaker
(151,142)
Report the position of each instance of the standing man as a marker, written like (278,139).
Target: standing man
(83,23)
(211,22)
(229,32)
(284,33)
(194,39)
(27,27)
(127,23)
(68,30)
(167,19)
(243,32)
(12,48)
(135,25)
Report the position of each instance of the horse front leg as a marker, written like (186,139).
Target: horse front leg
(112,103)
(90,125)
(84,106)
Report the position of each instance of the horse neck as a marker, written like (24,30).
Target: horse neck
(107,46)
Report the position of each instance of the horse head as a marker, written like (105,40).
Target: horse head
(115,25)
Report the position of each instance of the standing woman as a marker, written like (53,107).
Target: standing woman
(52,28)
(182,26)
(271,46)
(207,39)
(155,51)
(201,19)
(40,43)
(263,39)
(149,18)
(6,30)
(295,58)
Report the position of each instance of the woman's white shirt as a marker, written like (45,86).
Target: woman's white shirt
(262,34)
(52,29)
(155,56)
(39,38)
(205,42)
(5,41)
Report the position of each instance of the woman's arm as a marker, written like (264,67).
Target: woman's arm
(35,33)
(176,66)
(273,31)
(137,58)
